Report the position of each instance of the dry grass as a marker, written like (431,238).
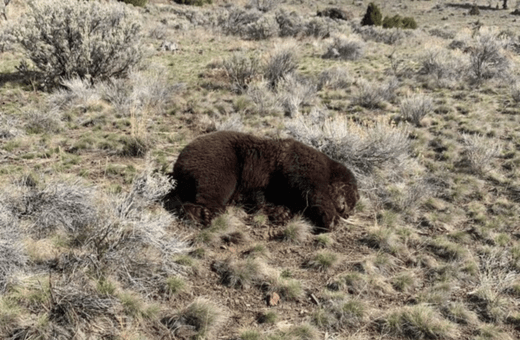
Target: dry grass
(242,273)
(415,108)
(202,315)
(12,253)
(420,321)
(478,153)
(426,119)
(296,231)
(323,261)
(346,49)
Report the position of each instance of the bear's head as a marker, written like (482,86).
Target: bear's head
(343,190)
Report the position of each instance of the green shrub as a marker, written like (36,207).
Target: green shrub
(85,39)
(193,2)
(474,10)
(137,3)
(409,22)
(398,22)
(373,16)
(391,22)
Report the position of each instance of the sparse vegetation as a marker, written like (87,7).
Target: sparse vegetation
(372,96)
(478,152)
(345,49)
(289,289)
(202,315)
(281,64)
(241,70)
(250,335)
(487,59)
(323,240)
(268,317)
(296,231)
(93,114)
(420,321)
(415,108)
(324,260)
(175,285)
(240,273)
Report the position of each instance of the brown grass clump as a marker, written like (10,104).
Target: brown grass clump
(418,322)
(12,251)
(415,108)
(300,332)
(404,282)
(478,152)
(296,231)
(323,260)
(459,313)
(340,314)
(202,316)
(229,220)
(240,273)
(289,289)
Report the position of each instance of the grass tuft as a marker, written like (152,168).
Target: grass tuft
(269,317)
(323,261)
(323,240)
(448,250)
(415,108)
(241,70)
(282,63)
(404,282)
(418,322)
(250,335)
(345,49)
(301,332)
(296,231)
(458,312)
(240,273)
(383,238)
(478,152)
(203,316)
(12,253)
(289,289)
(175,285)
(335,78)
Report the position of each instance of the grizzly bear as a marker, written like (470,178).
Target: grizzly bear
(227,167)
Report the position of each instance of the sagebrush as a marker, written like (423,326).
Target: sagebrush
(90,39)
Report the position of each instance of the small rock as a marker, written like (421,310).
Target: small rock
(273,299)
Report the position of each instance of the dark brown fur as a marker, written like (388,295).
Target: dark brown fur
(224,167)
